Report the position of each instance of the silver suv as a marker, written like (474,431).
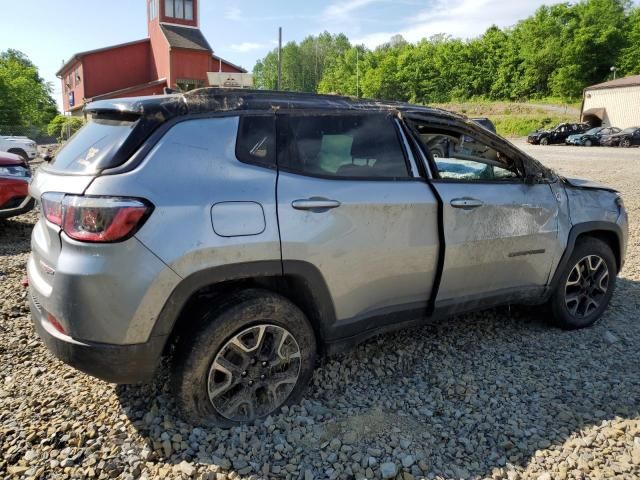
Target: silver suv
(249,232)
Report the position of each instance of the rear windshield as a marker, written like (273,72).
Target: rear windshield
(89,149)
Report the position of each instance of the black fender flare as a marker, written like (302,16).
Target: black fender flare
(305,272)
(581,229)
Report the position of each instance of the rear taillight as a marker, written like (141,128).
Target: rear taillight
(95,219)
(52,207)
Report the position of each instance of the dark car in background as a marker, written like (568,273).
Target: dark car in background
(625,139)
(556,135)
(591,137)
(15,176)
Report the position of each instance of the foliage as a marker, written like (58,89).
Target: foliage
(25,98)
(556,52)
(64,126)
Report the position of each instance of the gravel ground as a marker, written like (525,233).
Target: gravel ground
(497,394)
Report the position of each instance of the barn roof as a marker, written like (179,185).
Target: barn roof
(185,37)
(631,81)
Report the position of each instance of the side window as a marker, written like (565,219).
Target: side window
(463,157)
(256,141)
(346,146)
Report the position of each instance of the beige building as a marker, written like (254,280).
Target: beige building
(613,104)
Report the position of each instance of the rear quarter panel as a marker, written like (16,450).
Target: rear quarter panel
(191,169)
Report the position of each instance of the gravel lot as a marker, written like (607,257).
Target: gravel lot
(491,395)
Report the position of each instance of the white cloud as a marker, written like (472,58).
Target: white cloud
(233,13)
(458,18)
(341,10)
(248,46)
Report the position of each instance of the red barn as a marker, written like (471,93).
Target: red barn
(175,55)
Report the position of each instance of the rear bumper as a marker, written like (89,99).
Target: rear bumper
(123,364)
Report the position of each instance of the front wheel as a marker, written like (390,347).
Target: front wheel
(544,141)
(588,143)
(249,356)
(585,285)
(625,143)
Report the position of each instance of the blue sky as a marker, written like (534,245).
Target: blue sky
(244,31)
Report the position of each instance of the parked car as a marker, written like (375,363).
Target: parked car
(14,185)
(556,135)
(249,232)
(626,138)
(591,137)
(23,146)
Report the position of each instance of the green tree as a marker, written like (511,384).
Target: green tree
(25,98)
(63,126)
(629,62)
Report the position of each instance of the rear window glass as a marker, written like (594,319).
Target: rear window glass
(87,150)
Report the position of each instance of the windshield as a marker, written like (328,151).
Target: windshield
(84,152)
(629,130)
(593,131)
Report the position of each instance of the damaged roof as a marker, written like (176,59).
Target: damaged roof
(185,37)
(632,81)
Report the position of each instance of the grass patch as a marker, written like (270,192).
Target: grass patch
(516,119)
(518,126)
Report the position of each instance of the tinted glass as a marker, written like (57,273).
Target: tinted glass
(346,146)
(256,140)
(91,144)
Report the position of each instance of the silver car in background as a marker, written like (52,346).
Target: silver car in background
(250,232)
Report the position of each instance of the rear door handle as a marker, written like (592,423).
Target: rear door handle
(315,203)
(466,203)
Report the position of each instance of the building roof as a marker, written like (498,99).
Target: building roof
(128,90)
(237,67)
(78,56)
(631,81)
(185,37)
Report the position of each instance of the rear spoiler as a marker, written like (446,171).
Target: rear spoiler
(154,109)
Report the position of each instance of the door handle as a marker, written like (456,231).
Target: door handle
(315,203)
(466,203)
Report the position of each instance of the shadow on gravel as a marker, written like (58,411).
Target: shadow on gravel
(15,234)
(461,398)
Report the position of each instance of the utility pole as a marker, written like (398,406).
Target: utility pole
(357,73)
(279,58)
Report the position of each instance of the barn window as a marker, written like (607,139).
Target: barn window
(181,9)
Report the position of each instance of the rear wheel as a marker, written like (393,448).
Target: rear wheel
(625,143)
(585,286)
(544,141)
(249,356)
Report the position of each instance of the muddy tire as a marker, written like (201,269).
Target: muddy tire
(585,286)
(246,357)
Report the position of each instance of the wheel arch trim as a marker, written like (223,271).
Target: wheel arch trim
(586,228)
(309,275)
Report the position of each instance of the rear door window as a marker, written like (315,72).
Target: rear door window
(92,145)
(346,146)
